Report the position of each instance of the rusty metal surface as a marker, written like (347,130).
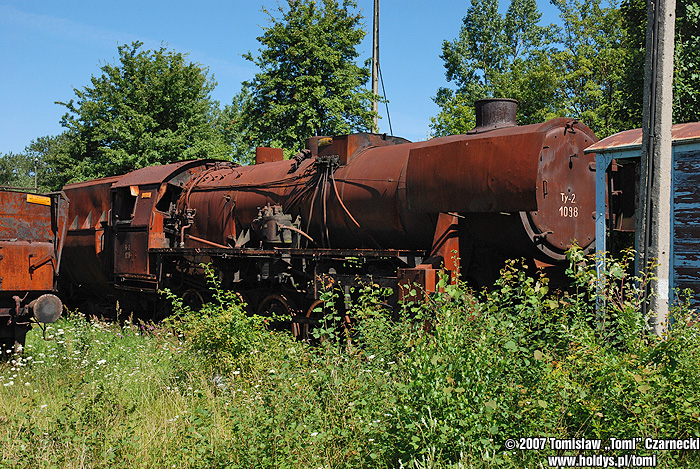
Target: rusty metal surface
(24,266)
(518,169)
(103,239)
(506,192)
(22,219)
(157,174)
(90,202)
(268,155)
(31,226)
(630,139)
(391,195)
(86,257)
(131,252)
(475,173)
(495,113)
(371,187)
(345,146)
(565,191)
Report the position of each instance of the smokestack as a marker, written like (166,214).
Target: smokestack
(495,113)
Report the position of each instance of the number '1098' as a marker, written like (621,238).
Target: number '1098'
(568,212)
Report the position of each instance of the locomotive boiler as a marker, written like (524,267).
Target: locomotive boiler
(32,233)
(345,210)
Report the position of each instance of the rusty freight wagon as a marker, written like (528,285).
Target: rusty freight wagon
(345,210)
(32,232)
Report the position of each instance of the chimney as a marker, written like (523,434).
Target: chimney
(495,113)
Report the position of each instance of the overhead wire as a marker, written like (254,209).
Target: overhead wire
(386,102)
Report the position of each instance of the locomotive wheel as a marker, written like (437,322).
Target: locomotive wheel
(303,331)
(193,300)
(327,317)
(278,309)
(242,300)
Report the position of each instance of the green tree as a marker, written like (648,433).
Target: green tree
(46,151)
(498,56)
(634,22)
(309,83)
(456,114)
(16,170)
(20,169)
(686,78)
(591,63)
(233,126)
(153,107)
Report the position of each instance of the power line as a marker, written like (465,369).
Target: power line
(386,102)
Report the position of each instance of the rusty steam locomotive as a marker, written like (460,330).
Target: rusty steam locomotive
(32,233)
(344,210)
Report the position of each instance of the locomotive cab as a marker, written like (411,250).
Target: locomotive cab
(144,217)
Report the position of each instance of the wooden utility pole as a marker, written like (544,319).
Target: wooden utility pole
(375,66)
(657,166)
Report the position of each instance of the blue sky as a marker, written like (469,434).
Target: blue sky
(48,47)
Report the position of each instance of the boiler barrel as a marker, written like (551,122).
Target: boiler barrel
(394,193)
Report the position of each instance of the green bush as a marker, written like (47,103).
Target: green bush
(220,335)
(439,384)
(522,360)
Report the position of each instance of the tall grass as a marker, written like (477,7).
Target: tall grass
(438,385)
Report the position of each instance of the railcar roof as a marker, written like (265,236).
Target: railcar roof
(157,174)
(631,139)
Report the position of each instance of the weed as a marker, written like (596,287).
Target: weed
(216,388)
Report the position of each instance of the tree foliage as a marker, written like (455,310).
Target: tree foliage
(152,107)
(233,126)
(592,59)
(20,169)
(592,68)
(634,21)
(309,83)
(497,55)
(686,79)
(16,170)
(686,76)
(551,71)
